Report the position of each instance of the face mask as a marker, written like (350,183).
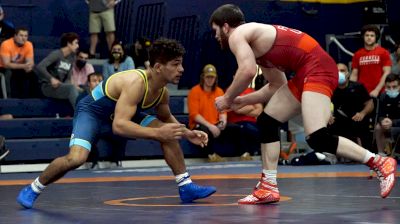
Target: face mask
(80,63)
(116,55)
(342,78)
(392,93)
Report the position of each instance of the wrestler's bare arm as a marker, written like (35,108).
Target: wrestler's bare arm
(246,65)
(276,79)
(125,109)
(163,110)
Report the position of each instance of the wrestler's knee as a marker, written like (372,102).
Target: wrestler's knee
(323,141)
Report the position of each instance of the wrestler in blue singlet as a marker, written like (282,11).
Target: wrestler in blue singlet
(94,113)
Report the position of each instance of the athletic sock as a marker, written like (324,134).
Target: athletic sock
(37,186)
(182,179)
(368,156)
(270,176)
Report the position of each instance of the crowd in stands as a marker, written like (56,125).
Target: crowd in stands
(365,106)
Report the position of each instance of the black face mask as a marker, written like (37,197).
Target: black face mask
(80,63)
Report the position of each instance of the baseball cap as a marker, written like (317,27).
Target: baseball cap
(209,70)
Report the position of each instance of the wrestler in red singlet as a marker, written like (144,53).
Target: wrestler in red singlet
(296,51)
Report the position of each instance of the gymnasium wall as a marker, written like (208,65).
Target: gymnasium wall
(187,21)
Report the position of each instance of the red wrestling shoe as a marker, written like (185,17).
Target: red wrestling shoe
(263,193)
(385,168)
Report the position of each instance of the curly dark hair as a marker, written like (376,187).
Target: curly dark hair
(371,28)
(164,50)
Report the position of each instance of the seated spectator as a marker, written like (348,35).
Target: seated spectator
(80,70)
(55,70)
(203,114)
(388,126)
(139,52)
(395,57)
(17,63)
(118,61)
(244,121)
(93,80)
(6,27)
(352,105)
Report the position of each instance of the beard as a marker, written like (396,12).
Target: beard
(224,41)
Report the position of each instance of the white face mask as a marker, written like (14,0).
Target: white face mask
(342,78)
(393,93)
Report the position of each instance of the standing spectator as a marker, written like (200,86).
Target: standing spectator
(55,70)
(202,112)
(17,61)
(118,61)
(388,125)
(352,105)
(80,70)
(244,119)
(6,27)
(101,15)
(371,64)
(395,57)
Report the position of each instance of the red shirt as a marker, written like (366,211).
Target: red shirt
(370,65)
(234,117)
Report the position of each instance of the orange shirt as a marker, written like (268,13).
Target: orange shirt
(203,103)
(15,53)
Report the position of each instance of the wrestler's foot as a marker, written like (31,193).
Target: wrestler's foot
(264,193)
(190,192)
(27,197)
(385,168)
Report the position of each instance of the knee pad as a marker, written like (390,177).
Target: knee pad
(322,141)
(268,128)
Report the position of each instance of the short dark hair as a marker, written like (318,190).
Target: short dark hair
(392,77)
(164,50)
(371,28)
(21,29)
(94,74)
(229,13)
(68,38)
(83,50)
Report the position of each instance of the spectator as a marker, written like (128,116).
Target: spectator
(202,112)
(352,105)
(17,61)
(140,54)
(55,70)
(371,64)
(244,119)
(101,15)
(388,125)
(118,61)
(395,57)
(93,80)
(80,70)
(6,27)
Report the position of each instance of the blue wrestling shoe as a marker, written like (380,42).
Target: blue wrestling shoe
(192,191)
(27,197)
